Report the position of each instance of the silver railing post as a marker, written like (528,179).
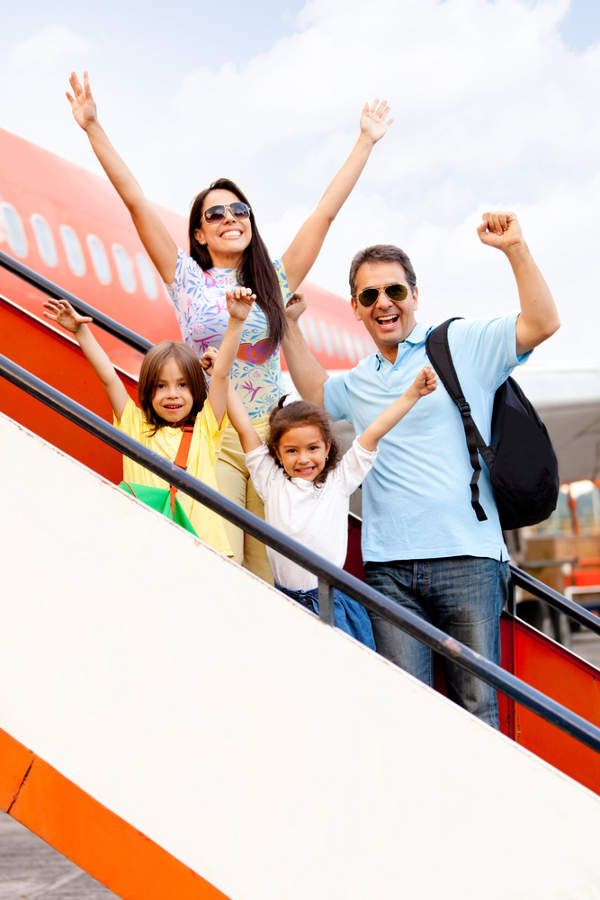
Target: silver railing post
(326,610)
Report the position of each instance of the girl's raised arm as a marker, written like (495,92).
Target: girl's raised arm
(159,244)
(299,257)
(236,410)
(239,303)
(424,384)
(62,312)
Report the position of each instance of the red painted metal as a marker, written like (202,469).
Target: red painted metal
(59,361)
(570,680)
(35,181)
(545,665)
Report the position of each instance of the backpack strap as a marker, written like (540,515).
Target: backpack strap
(438,351)
(181,459)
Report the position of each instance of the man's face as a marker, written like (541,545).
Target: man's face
(388,321)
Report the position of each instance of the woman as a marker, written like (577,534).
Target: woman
(226,249)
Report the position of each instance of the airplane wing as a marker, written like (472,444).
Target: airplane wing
(567,397)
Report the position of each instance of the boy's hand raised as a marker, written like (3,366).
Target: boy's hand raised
(374,121)
(295,306)
(425,382)
(239,302)
(62,312)
(82,103)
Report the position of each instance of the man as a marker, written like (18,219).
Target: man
(422,543)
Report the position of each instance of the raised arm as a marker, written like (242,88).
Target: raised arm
(306,372)
(539,316)
(239,303)
(299,257)
(236,410)
(62,312)
(159,244)
(424,384)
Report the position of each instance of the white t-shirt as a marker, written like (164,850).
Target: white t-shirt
(315,516)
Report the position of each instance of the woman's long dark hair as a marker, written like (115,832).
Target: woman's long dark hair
(256,269)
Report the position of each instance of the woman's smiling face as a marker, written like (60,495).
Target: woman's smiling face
(227,238)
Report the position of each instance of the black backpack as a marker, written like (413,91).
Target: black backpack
(520,459)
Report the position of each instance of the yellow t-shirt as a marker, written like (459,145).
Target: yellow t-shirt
(204,447)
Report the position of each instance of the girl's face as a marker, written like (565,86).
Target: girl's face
(225,238)
(302,452)
(172,399)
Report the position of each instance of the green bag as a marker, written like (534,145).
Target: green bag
(160,499)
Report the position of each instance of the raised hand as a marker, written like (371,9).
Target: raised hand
(239,302)
(425,382)
(62,312)
(295,306)
(82,103)
(374,121)
(207,360)
(500,229)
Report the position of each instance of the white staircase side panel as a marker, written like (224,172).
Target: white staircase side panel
(270,753)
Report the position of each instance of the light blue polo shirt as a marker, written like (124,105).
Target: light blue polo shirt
(416,499)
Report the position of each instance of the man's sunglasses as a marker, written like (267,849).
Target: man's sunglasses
(237,209)
(395,292)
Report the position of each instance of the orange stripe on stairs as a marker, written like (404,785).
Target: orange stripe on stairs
(93,837)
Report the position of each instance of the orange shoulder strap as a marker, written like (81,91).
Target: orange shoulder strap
(181,458)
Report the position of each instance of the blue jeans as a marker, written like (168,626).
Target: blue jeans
(349,615)
(461,595)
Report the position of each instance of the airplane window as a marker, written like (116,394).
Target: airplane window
(147,276)
(339,347)
(14,230)
(73,250)
(124,268)
(350,352)
(99,259)
(326,338)
(44,239)
(359,347)
(368,347)
(315,340)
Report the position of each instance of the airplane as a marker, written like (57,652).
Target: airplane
(70,226)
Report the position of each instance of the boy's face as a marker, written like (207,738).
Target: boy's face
(389,322)
(172,399)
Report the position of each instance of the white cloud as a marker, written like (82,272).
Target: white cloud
(492,110)
(48,47)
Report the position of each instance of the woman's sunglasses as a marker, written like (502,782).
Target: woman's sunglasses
(395,292)
(237,209)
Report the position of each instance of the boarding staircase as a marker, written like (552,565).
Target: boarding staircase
(180,729)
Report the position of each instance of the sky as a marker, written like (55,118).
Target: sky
(495,107)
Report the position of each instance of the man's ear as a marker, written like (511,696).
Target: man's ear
(415,294)
(355,308)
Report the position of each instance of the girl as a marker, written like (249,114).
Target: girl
(306,488)
(172,394)
(225,249)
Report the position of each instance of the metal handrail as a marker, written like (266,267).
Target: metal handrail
(422,630)
(53,290)
(519,577)
(555,599)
